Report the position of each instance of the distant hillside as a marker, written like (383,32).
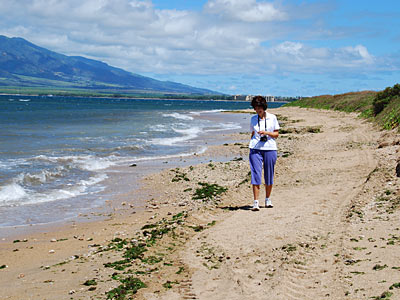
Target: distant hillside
(23,64)
(381,107)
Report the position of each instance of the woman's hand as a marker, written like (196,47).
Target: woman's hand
(273,134)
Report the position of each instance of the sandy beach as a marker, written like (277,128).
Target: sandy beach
(334,231)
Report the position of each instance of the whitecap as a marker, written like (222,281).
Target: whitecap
(15,195)
(84,162)
(197,113)
(187,134)
(11,193)
(137,159)
(224,126)
(179,116)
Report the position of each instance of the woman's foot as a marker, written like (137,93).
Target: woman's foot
(255,205)
(268,203)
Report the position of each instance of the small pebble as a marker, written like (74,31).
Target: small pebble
(52,251)
(53,240)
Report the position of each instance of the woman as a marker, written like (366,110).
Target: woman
(264,129)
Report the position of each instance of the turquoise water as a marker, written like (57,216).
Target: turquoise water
(55,150)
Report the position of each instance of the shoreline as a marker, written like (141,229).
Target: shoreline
(123,179)
(329,182)
(134,98)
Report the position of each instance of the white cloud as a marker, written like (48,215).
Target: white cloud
(227,37)
(245,10)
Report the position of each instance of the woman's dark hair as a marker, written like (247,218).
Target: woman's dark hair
(259,101)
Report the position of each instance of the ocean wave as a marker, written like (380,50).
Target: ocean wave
(186,134)
(42,177)
(15,195)
(83,162)
(137,159)
(159,128)
(224,126)
(197,113)
(179,116)
(12,192)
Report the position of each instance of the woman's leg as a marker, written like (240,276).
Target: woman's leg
(256,191)
(268,190)
(270,158)
(256,163)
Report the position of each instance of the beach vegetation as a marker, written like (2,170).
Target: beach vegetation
(3,267)
(395,285)
(381,107)
(357,272)
(117,243)
(151,260)
(134,252)
(208,192)
(128,287)
(212,223)
(179,176)
(169,284)
(289,248)
(379,267)
(119,265)
(384,296)
(90,282)
(350,262)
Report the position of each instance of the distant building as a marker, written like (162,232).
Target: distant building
(239,97)
(250,97)
(270,98)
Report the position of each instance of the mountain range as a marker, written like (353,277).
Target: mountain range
(23,64)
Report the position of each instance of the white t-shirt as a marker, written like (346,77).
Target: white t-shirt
(256,125)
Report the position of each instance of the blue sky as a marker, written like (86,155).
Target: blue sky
(285,47)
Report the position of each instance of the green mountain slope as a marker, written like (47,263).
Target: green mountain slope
(24,64)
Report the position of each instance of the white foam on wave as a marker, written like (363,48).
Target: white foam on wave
(11,192)
(197,113)
(42,177)
(179,116)
(186,134)
(83,162)
(159,127)
(224,126)
(137,159)
(15,195)
(24,100)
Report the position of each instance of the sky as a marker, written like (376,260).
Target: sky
(281,48)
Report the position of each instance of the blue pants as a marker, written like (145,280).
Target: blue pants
(259,159)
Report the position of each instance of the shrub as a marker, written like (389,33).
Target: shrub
(383,98)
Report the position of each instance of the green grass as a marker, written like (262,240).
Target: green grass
(382,108)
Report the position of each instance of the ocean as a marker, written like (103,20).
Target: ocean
(56,152)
